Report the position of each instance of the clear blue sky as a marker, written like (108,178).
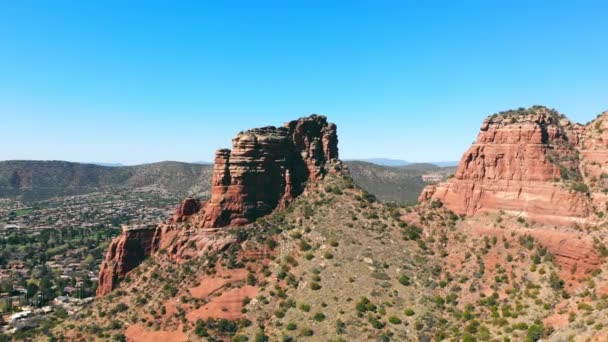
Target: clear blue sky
(141,81)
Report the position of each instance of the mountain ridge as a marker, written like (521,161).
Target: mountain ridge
(336,264)
(39,180)
(401,184)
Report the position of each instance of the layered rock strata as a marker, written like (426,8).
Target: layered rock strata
(125,253)
(266,169)
(524,162)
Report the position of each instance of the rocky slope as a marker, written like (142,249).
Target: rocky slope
(330,263)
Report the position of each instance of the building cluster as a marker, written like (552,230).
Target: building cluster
(64,238)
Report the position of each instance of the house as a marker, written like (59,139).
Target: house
(18,316)
(432,178)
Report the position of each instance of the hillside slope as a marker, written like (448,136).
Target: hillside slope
(398,184)
(332,264)
(39,180)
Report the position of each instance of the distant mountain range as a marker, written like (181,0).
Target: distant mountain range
(119,164)
(108,164)
(390,183)
(30,180)
(377,161)
(38,180)
(400,162)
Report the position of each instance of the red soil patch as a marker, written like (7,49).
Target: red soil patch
(137,333)
(170,308)
(558,320)
(210,285)
(228,305)
(603,290)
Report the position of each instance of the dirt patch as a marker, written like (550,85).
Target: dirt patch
(228,305)
(137,333)
(211,285)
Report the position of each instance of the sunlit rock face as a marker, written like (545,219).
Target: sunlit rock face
(524,162)
(265,170)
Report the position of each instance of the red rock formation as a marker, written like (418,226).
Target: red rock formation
(523,162)
(266,169)
(125,253)
(188,207)
(594,159)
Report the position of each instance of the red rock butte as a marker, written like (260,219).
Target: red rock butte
(265,170)
(527,162)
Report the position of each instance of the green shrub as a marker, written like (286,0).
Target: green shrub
(412,233)
(535,333)
(319,317)
(306,332)
(394,320)
(556,282)
(375,322)
(580,187)
(304,246)
(364,305)
(405,280)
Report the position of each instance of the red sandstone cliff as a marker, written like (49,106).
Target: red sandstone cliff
(266,169)
(125,253)
(525,162)
(594,160)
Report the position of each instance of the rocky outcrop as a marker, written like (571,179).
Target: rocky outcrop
(266,169)
(125,253)
(187,208)
(594,160)
(525,162)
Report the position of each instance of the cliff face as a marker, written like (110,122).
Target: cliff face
(125,253)
(525,162)
(594,159)
(266,169)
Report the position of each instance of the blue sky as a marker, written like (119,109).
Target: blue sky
(142,81)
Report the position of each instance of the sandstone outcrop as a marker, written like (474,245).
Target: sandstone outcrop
(188,207)
(125,253)
(594,160)
(266,169)
(524,162)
